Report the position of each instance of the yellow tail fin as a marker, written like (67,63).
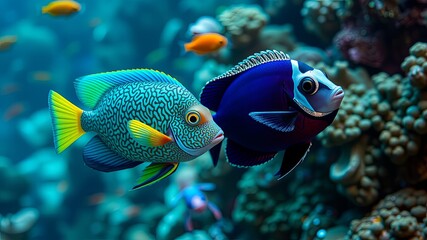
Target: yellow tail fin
(65,120)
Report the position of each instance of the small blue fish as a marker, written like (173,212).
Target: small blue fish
(139,116)
(196,201)
(268,103)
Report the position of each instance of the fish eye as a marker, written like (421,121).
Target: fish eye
(309,85)
(192,117)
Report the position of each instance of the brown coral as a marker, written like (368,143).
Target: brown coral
(400,215)
(415,65)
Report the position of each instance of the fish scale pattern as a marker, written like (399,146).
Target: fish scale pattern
(154,104)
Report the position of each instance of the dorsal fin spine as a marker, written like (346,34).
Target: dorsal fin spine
(254,60)
(214,89)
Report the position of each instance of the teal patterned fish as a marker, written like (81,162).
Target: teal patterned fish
(139,116)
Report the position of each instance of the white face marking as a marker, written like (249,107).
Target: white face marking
(314,93)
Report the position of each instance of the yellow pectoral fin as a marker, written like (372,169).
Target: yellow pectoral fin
(146,135)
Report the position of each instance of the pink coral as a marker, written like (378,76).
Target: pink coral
(361,48)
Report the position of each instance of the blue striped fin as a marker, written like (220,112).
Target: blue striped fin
(98,156)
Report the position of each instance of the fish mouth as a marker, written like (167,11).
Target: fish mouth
(217,139)
(199,151)
(338,94)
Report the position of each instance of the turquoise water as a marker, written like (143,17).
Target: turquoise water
(363,177)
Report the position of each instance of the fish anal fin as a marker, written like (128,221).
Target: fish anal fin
(240,156)
(98,156)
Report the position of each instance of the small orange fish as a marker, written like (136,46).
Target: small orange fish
(7,41)
(206,43)
(61,8)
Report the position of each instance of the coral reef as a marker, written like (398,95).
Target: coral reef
(374,26)
(18,225)
(349,122)
(244,24)
(360,173)
(322,18)
(400,215)
(392,111)
(37,128)
(376,145)
(415,65)
(263,204)
(361,47)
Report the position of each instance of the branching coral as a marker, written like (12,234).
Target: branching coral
(401,215)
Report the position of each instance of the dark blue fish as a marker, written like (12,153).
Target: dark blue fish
(268,103)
